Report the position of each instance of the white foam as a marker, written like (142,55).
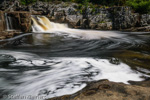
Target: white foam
(58,28)
(63,76)
(19,55)
(7,70)
(74,71)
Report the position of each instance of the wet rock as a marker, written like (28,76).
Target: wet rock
(71,11)
(21,20)
(146,29)
(135,59)
(59,16)
(2,37)
(24,15)
(114,61)
(74,20)
(106,90)
(105,26)
(25,21)
(84,23)
(8,34)
(145,83)
(8,5)
(145,20)
(113,18)
(123,18)
(6,58)
(25,27)
(101,21)
(2,25)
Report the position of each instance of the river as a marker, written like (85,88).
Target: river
(62,61)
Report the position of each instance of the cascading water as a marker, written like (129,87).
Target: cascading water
(9,23)
(43,24)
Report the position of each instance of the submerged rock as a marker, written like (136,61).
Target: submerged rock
(114,61)
(6,58)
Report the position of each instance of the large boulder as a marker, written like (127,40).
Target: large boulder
(20,20)
(102,20)
(25,21)
(74,20)
(145,20)
(123,17)
(106,90)
(6,58)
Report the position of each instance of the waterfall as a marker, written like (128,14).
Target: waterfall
(9,24)
(44,25)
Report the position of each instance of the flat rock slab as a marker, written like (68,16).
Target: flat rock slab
(106,90)
(8,34)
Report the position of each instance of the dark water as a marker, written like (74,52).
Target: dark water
(51,65)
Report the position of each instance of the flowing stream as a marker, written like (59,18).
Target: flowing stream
(56,60)
(9,24)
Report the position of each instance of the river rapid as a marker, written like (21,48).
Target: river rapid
(55,60)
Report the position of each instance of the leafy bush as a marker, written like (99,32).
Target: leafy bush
(26,2)
(141,6)
(109,2)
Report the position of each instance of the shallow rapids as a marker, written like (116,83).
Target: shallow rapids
(55,60)
(30,74)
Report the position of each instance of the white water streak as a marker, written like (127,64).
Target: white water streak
(65,73)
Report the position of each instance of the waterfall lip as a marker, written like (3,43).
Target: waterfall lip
(42,24)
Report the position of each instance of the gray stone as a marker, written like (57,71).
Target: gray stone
(116,18)
(74,20)
(6,58)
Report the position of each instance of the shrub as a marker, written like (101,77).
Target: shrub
(140,6)
(26,2)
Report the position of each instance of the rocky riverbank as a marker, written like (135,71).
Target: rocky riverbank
(14,23)
(77,16)
(106,90)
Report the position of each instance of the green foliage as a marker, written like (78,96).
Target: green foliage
(102,22)
(80,6)
(26,2)
(81,11)
(81,1)
(109,2)
(141,6)
(83,6)
(93,7)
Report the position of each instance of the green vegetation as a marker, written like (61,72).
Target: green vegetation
(141,6)
(102,22)
(26,2)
